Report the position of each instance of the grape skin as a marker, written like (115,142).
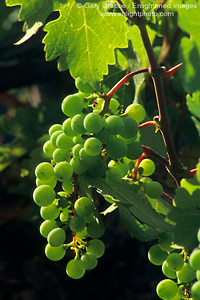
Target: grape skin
(72,105)
(96,247)
(44,195)
(186,274)
(136,111)
(153,189)
(156,255)
(93,146)
(175,261)
(55,253)
(148,167)
(89,261)
(47,226)
(195,290)
(84,206)
(56,237)
(44,171)
(166,289)
(195,259)
(75,269)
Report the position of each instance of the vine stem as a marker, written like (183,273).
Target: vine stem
(147,124)
(156,73)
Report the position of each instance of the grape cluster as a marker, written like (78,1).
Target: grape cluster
(89,141)
(182,269)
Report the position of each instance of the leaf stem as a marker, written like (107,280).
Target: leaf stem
(147,124)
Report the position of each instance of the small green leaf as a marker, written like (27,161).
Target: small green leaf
(110,209)
(193,103)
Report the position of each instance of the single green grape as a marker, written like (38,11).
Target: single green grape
(195,290)
(65,214)
(64,142)
(50,212)
(89,261)
(54,137)
(77,224)
(93,123)
(195,259)
(83,87)
(44,171)
(175,261)
(114,124)
(78,167)
(96,247)
(63,171)
(55,253)
(121,166)
(47,226)
(95,230)
(153,189)
(186,274)
(84,206)
(134,150)
(136,112)
(73,105)
(76,149)
(156,255)
(54,128)
(60,155)
(77,124)
(130,128)
(93,146)
(66,127)
(51,182)
(75,269)
(67,187)
(113,176)
(44,195)
(88,160)
(148,167)
(166,289)
(116,148)
(48,149)
(167,272)
(56,237)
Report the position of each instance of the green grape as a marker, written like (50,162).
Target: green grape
(44,171)
(195,290)
(73,105)
(165,240)
(93,146)
(166,289)
(64,215)
(77,166)
(51,182)
(167,272)
(195,259)
(103,136)
(76,149)
(136,112)
(95,229)
(77,224)
(116,148)
(121,166)
(56,237)
(89,261)
(47,226)
(50,212)
(44,195)
(114,125)
(66,127)
(153,189)
(156,255)
(48,149)
(175,261)
(148,167)
(145,180)
(67,187)
(113,176)
(83,87)
(64,142)
(198,274)
(63,171)
(75,269)
(61,155)
(88,160)
(84,206)
(54,128)
(134,150)
(130,128)
(77,124)
(96,247)
(176,297)
(93,123)
(114,105)
(54,137)
(186,274)
(55,253)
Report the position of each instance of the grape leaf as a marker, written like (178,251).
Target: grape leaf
(193,103)
(138,213)
(34,13)
(187,224)
(82,41)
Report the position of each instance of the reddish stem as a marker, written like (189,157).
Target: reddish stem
(147,124)
(191,172)
(172,70)
(167,196)
(123,81)
(139,160)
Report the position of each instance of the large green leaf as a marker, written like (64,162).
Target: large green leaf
(84,40)
(138,215)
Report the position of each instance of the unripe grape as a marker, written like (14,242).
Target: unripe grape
(166,289)
(44,171)
(75,269)
(77,224)
(96,247)
(195,259)
(51,182)
(64,142)
(63,171)
(50,212)
(54,128)
(61,155)
(156,255)
(54,137)
(134,150)
(55,253)
(95,230)
(130,128)
(84,206)
(89,261)
(116,148)
(44,195)
(167,272)
(153,189)
(77,166)
(148,167)
(67,187)
(93,123)
(114,125)
(113,176)
(93,146)
(56,237)
(195,290)
(175,261)
(47,226)
(77,124)
(48,149)
(73,105)
(66,127)
(186,274)
(136,111)
(83,87)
